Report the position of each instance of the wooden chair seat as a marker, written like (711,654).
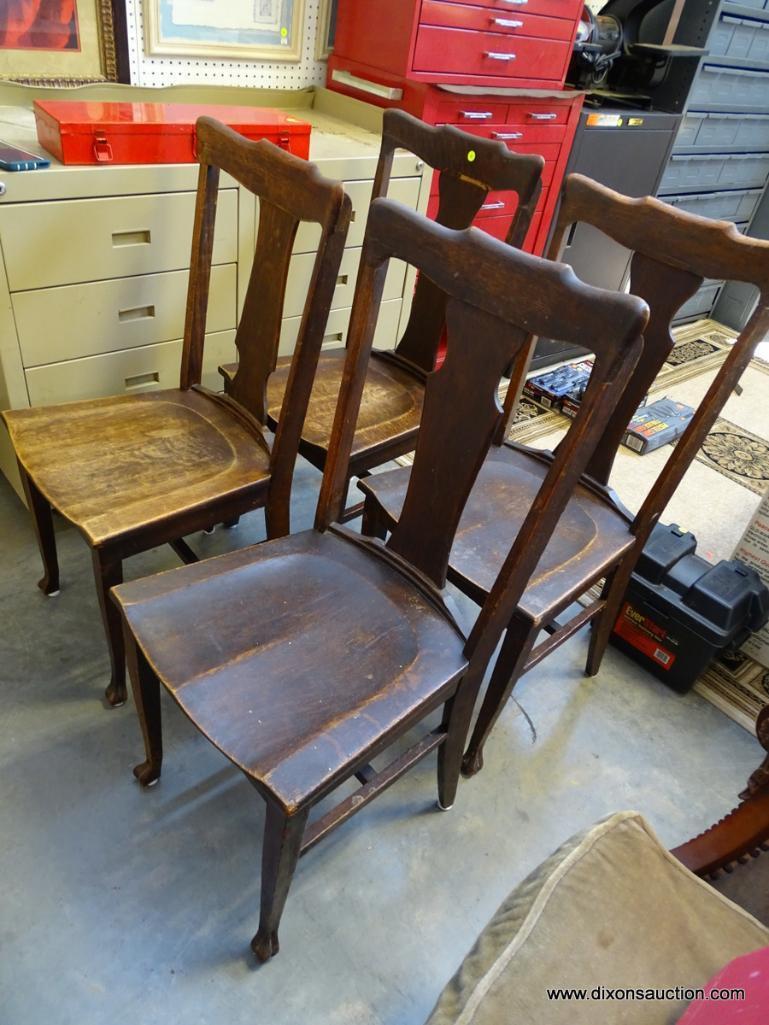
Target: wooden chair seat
(390,410)
(292,695)
(591,534)
(140,459)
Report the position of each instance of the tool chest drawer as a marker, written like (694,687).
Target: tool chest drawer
(548,8)
(128,372)
(737,205)
(700,171)
(719,88)
(487,55)
(516,21)
(114,237)
(71,321)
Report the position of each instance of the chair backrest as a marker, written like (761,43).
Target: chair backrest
(672,253)
(497,298)
(470,168)
(290,190)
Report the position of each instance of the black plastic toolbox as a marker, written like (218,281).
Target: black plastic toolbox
(680,610)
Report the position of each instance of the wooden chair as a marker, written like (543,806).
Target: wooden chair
(135,471)
(304,658)
(470,168)
(597,538)
(741,834)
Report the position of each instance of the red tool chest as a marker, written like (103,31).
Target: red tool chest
(521,43)
(543,124)
(76,132)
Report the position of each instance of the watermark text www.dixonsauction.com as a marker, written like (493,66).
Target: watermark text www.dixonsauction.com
(641,993)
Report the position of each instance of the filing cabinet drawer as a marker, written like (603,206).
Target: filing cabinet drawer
(517,21)
(62,243)
(406,190)
(300,275)
(549,8)
(128,372)
(457,52)
(385,336)
(72,321)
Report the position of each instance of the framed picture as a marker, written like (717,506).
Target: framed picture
(268,30)
(326,28)
(63,42)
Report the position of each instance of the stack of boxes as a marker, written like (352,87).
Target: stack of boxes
(495,68)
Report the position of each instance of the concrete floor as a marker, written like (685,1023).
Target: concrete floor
(121,906)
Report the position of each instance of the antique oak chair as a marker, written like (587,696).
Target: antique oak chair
(470,169)
(135,471)
(305,657)
(597,538)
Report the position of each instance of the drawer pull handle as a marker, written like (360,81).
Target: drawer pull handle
(136,313)
(507,135)
(542,117)
(476,115)
(131,238)
(142,380)
(493,206)
(507,22)
(515,3)
(337,336)
(492,55)
(343,279)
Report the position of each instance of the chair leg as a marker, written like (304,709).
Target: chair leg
(374,524)
(42,521)
(108,572)
(602,626)
(516,647)
(280,853)
(146,691)
(457,714)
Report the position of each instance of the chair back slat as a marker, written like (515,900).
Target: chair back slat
(673,252)
(290,191)
(498,298)
(470,167)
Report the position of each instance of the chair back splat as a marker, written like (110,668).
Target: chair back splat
(673,252)
(290,191)
(469,172)
(498,298)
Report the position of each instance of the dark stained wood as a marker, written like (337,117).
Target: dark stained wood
(302,700)
(744,832)
(470,168)
(596,537)
(135,471)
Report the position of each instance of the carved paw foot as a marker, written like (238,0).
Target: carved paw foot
(472,763)
(115,695)
(147,773)
(265,945)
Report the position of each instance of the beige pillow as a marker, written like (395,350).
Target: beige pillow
(612,908)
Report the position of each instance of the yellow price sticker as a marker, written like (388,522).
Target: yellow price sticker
(471,156)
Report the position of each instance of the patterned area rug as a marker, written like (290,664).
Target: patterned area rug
(738,454)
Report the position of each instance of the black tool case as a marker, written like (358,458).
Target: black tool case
(680,611)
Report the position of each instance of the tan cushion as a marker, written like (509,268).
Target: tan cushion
(612,907)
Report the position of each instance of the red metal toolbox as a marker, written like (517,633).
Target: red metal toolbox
(524,43)
(153,133)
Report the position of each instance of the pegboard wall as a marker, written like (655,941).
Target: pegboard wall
(159,71)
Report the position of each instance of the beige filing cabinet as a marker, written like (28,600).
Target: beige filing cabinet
(95,264)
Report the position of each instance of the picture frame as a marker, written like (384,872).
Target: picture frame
(259,30)
(88,44)
(326,28)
